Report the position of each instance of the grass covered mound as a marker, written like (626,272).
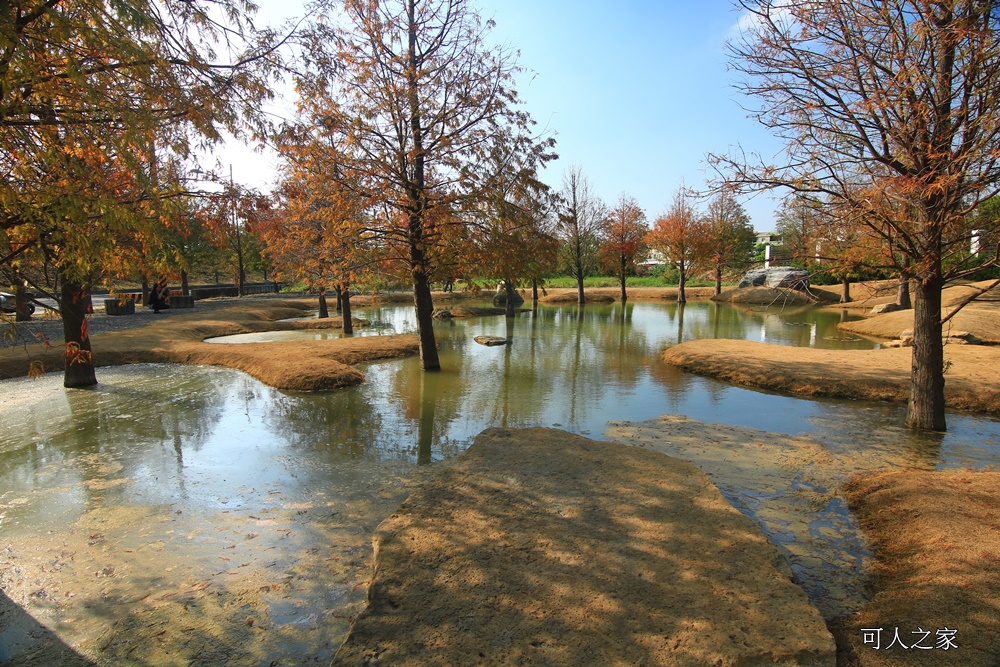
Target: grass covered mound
(936,536)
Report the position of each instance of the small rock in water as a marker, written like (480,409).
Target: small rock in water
(491,340)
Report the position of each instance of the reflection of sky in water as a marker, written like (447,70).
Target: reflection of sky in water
(564,368)
(200,438)
(203,440)
(579,373)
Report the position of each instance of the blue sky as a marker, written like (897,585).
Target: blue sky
(636,92)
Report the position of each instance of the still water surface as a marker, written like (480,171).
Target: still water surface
(208,441)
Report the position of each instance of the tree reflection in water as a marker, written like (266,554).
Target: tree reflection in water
(197,449)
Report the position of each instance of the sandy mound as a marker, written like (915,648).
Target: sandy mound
(864,295)
(541,547)
(468,311)
(981,317)
(971,382)
(305,366)
(937,542)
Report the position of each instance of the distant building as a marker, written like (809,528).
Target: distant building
(654,258)
(768,238)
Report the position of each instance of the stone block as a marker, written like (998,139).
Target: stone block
(180,301)
(886,308)
(116,307)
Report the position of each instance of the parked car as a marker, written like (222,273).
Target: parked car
(8,302)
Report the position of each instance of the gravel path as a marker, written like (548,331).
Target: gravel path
(47,325)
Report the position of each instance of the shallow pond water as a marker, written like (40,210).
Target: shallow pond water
(202,486)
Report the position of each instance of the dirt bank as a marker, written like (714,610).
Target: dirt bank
(937,542)
(980,317)
(178,338)
(542,547)
(971,382)
(773,296)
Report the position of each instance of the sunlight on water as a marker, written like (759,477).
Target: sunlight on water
(216,453)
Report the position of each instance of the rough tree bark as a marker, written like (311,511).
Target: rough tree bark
(21,304)
(578,271)
(623,275)
(509,306)
(903,289)
(75,306)
(345,301)
(681,297)
(927,405)
(324,311)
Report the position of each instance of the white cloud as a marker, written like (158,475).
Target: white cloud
(780,12)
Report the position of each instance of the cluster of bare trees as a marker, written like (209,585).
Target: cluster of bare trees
(719,240)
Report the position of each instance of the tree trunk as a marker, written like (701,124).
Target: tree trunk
(845,292)
(242,276)
(22,309)
(508,289)
(424,306)
(417,196)
(680,323)
(185,288)
(345,300)
(681,297)
(323,311)
(534,294)
(718,280)
(621,277)
(903,292)
(145,292)
(75,306)
(340,296)
(580,297)
(926,407)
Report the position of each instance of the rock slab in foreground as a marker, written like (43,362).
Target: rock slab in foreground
(539,547)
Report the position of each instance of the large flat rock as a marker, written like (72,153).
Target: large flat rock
(539,547)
